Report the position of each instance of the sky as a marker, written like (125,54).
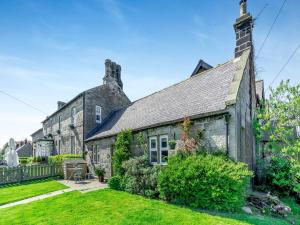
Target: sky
(51,50)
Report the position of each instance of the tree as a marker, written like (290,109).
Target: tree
(279,118)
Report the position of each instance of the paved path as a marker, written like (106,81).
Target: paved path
(83,187)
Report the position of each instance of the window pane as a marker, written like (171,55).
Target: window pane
(98,154)
(164,156)
(153,156)
(164,143)
(153,144)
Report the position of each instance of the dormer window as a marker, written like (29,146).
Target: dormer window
(98,114)
(73,116)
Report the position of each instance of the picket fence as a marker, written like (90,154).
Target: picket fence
(32,172)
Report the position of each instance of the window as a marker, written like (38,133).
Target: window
(98,114)
(95,154)
(73,116)
(98,154)
(298,131)
(72,144)
(153,149)
(164,150)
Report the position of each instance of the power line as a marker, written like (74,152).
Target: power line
(261,11)
(25,103)
(271,28)
(285,65)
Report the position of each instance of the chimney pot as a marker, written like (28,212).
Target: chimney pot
(243,7)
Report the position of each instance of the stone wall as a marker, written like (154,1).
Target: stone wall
(214,138)
(245,110)
(61,133)
(109,97)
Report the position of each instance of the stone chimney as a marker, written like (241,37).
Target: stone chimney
(112,73)
(60,104)
(243,30)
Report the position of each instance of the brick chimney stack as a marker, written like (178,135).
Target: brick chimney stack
(243,28)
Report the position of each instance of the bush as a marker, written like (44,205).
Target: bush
(100,171)
(121,151)
(23,161)
(204,181)
(57,159)
(35,159)
(280,176)
(141,177)
(115,183)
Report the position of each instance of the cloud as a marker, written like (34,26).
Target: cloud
(24,71)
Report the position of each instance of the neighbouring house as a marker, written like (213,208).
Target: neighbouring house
(24,148)
(260,93)
(221,101)
(64,131)
(41,145)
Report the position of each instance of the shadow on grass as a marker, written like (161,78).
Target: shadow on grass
(256,218)
(42,180)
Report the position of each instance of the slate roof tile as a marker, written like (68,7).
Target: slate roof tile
(200,94)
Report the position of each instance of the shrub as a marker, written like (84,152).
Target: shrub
(280,176)
(204,181)
(121,151)
(23,160)
(57,159)
(141,177)
(100,171)
(115,183)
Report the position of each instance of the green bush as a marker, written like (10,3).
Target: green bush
(121,151)
(204,181)
(140,177)
(100,171)
(57,159)
(115,183)
(281,176)
(23,160)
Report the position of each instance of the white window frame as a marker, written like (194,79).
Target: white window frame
(98,112)
(73,115)
(163,149)
(153,149)
(95,148)
(98,153)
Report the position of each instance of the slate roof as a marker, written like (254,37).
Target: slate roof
(198,95)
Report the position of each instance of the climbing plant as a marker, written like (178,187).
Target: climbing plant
(121,151)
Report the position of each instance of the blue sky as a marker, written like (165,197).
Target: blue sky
(51,50)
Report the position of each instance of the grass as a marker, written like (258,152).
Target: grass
(16,192)
(114,207)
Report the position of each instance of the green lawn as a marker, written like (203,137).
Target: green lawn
(113,207)
(16,192)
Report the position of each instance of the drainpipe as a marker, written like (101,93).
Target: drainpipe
(227,117)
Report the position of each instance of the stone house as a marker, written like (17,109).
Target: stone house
(221,101)
(41,145)
(64,131)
